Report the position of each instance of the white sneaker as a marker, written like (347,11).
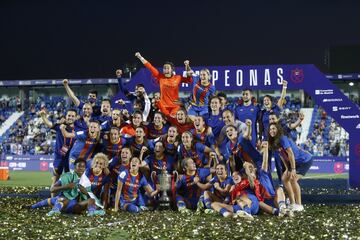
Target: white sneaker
(282,211)
(243,214)
(226,214)
(297,207)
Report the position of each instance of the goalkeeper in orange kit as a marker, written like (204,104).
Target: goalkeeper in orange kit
(169,83)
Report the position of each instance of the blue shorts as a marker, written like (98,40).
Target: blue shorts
(254,203)
(60,164)
(198,110)
(123,202)
(303,168)
(70,206)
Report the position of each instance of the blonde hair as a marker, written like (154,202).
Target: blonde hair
(102,156)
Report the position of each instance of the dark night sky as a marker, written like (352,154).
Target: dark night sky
(80,39)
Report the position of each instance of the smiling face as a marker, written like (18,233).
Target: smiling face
(115,114)
(172,132)
(199,123)
(105,108)
(273,119)
(134,164)
(159,148)
(236,177)
(167,70)
(273,130)
(114,135)
(137,119)
(139,133)
(125,156)
(181,116)
(80,168)
(228,118)
(231,133)
(87,110)
(215,104)
(190,165)
(221,171)
(267,102)
(158,119)
(205,77)
(246,96)
(70,117)
(94,129)
(186,139)
(98,165)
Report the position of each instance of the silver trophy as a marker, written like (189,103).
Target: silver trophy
(164,180)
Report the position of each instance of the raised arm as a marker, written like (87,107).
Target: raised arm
(189,71)
(265,153)
(281,101)
(66,133)
(298,121)
(70,93)
(247,132)
(147,107)
(45,120)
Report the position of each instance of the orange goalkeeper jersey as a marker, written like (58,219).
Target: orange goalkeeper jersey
(169,87)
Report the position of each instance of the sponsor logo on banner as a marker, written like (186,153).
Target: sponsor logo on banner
(324,92)
(339,167)
(332,100)
(9,158)
(336,108)
(349,116)
(44,166)
(89,81)
(297,75)
(17,164)
(358,126)
(41,82)
(1,83)
(24,82)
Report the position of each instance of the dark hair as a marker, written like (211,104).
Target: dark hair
(274,142)
(95,121)
(137,112)
(247,89)
(170,63)
(106,100)
(139,85)
(72,110)
(214,97)
(78,160)
(93,91)
(116,128)
(221,94)
(228,110)
(274,113)
(268,96)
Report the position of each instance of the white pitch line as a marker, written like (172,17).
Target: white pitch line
(325,175)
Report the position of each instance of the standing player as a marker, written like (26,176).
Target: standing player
(169,83)
(85,144)
(248,109)
(202,90)
(158,127)
(112,143)
(202,133)
(214,118)
(297,162)
(269,107)
(63,144)
(92,98)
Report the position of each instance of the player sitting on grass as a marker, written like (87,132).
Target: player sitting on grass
(191,185)
(128,189)
(72,198)
(221,185)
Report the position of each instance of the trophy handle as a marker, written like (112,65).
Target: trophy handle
(153,176)
(176,176)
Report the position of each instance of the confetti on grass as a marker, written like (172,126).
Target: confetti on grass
(319,221)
